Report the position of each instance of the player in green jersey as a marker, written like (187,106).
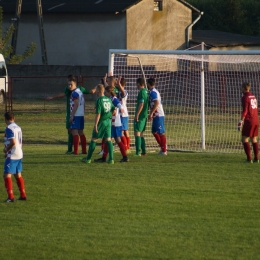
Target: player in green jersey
(141,115)
(102,125)
(67,93)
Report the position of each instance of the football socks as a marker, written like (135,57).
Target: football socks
(247,151)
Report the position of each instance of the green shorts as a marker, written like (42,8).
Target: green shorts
(68,120)
(104,130)
(140,126)
(67,124)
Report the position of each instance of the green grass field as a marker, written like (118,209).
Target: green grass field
(183,206)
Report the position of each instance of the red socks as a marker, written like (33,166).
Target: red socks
(158,138)
(161,140)
(122,148)
(103,144)
(20,184)
(124,141)
(83,142)
(128,142)
(105,150)
(76,144)
(163,143)
(255,148)
(9,188)
(247,151)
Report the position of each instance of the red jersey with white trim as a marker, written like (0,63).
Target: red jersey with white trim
(250,108)
(14,131)
(77,94)
(155,95)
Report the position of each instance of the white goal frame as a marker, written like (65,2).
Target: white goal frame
(135,53)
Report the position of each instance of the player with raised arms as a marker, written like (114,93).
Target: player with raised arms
(249,122)
(116,130)
(102,125)
(156,115)
(67,93)
(141,114)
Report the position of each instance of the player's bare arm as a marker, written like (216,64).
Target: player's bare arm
(156,104)
(61,95)
(105,80)
(72,114)
(243,114)
(120,87)
(10,145)
(93,90)
(140,108)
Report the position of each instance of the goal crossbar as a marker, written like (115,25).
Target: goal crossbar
(200,83)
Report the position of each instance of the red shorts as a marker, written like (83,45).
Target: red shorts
(250,130)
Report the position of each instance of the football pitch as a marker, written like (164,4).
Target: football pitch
(180,206)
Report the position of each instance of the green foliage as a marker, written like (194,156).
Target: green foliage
(235,16)
(6,48)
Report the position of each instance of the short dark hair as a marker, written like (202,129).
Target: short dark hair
(9,116)
(140,81)
(72,78)
(151,81)
(246,85)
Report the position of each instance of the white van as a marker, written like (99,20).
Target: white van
(3,79)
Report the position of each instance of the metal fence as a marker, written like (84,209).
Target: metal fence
(28,94)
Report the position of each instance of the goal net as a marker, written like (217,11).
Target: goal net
(200,91)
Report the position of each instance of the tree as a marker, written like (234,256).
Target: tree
(6,48)
(234,16)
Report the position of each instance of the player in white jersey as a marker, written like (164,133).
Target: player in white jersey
(157,116)
(116,130)
(13,157)
(123,95)
(77,108)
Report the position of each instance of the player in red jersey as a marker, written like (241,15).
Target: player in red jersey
(249,123)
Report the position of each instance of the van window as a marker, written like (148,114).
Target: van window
(2,69)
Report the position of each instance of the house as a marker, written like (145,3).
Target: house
(216,40)
(81,32)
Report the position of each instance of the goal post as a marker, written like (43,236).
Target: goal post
(200,90)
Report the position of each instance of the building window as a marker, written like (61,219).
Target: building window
(157,5)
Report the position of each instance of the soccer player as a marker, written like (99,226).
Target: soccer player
(157,115)
(67,94)
(109,81)
(116,131)
(249,122)
(122,95)
(13,157)
(77,109)
(102,125)
(141,114)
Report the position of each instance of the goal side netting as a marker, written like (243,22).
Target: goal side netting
(200,91)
